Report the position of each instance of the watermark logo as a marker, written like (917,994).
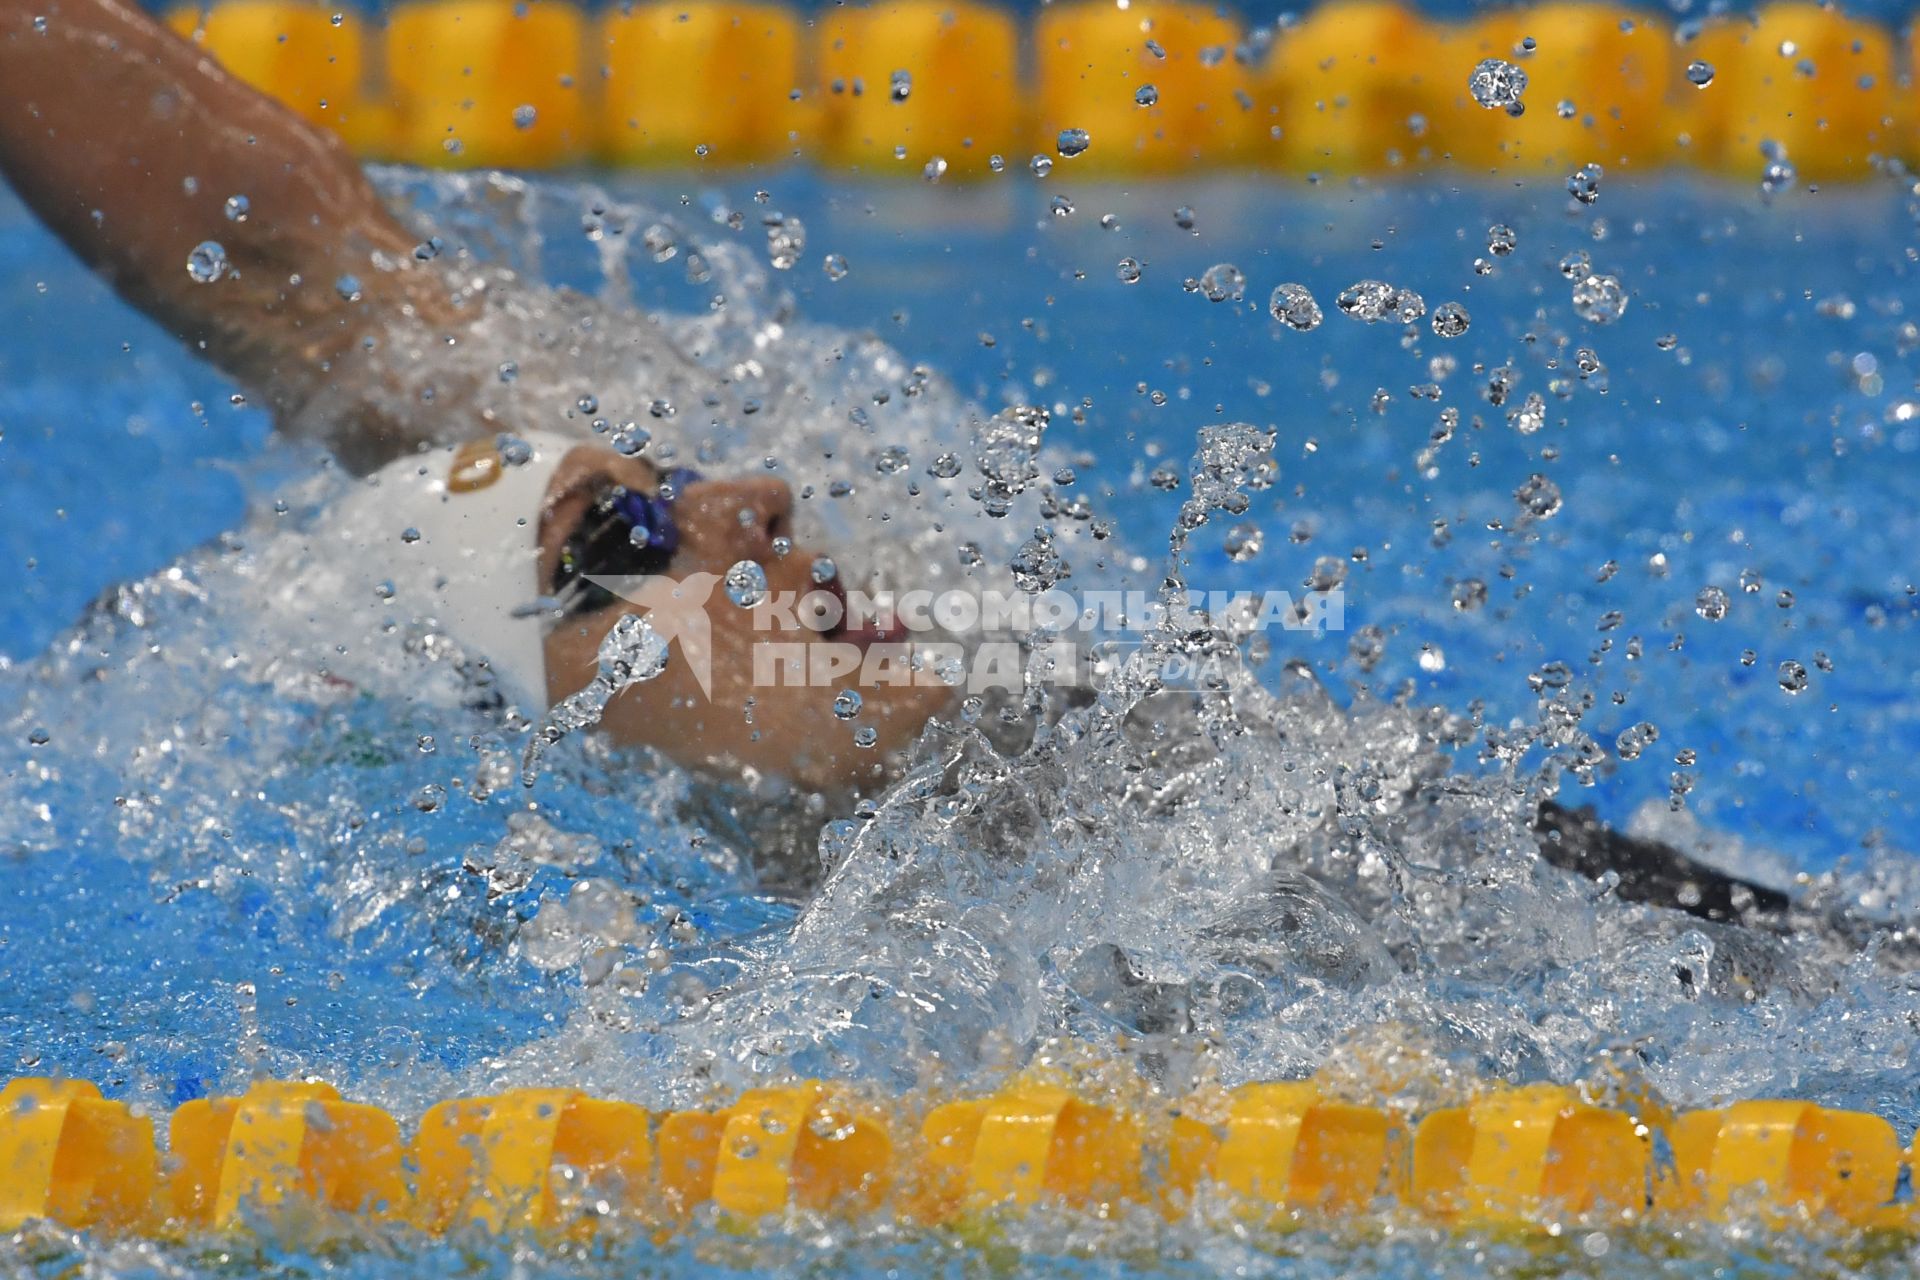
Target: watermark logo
(829,638)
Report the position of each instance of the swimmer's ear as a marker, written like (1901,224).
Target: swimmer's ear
(272,200)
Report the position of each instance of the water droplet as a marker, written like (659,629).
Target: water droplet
(1041,165)
(1038,565)
(1539,497)
(1575,265)
(1778,176)
(1183,218)
(348,287)
(1635,739)
(1243,542)
(1699,74)
(1450,320)
(1500,240)
(1497,84)
(207,262)
(237,208)
(996,162)
(834,266)
(865,737)
(1223,281)
(1146,95)
(746,583)
(1072,142)
(823,570)
(524,116)
(1128,271)
(786,241)
(1060,206)
(1292,305)
(1793,676)
(901,86)
(1469,594)
(38,736)
(846,704)
(1368,300)
(1584,183)
(630,439)
(1599,299)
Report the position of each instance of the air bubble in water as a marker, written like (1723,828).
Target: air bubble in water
(1450,320)
(834,266)
(1072,142)
(1146,95)
(746,583)
(524,116)
(1497,84)
(1599,299)
(1128,272)
(1699,74)
(207,262)
(1223,281)
(237,208)
(846,704)
(1292,305)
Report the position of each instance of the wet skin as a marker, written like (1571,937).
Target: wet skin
(786,728)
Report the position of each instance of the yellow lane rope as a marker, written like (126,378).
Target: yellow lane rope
(557,1161)
(925,87)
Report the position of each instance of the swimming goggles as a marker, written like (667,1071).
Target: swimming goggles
(624,533)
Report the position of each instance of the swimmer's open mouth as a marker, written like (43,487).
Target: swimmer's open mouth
(865,632)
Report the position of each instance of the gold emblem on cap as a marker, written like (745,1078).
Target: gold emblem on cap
(476,464)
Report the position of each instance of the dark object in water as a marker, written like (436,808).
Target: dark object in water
(1658,874)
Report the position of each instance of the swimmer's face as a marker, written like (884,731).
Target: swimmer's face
(784,727)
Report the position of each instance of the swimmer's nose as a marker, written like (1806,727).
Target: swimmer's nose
(738,518)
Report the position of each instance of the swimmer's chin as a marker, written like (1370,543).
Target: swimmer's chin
(786,747)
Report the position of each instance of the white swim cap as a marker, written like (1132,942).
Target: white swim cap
(456,533)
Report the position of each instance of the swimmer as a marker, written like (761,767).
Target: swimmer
(246,231)
(137,150)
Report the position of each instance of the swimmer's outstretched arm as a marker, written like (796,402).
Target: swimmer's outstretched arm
(128,142)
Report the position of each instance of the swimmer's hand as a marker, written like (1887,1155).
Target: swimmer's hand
(129,143)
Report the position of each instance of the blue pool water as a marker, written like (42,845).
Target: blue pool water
(217,868)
